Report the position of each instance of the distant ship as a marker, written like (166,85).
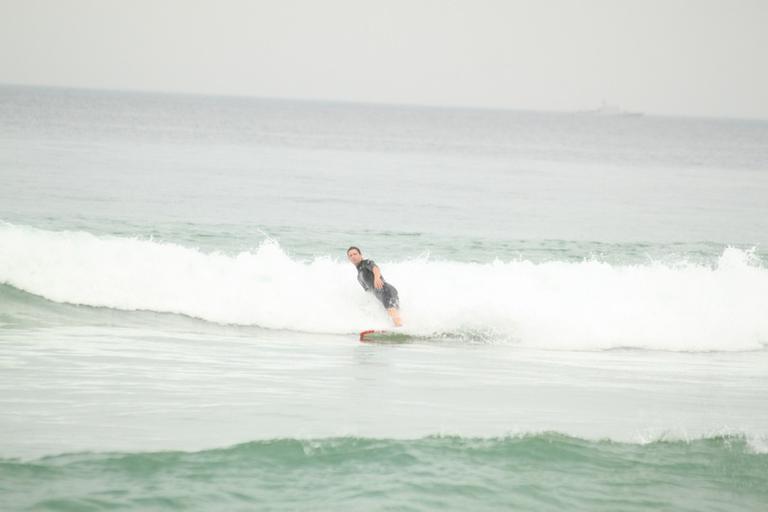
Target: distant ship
(610,111)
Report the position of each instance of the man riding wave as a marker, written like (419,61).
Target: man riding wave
(370,278)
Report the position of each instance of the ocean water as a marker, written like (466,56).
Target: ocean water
(587,296)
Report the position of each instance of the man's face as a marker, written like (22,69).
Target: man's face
(354,256)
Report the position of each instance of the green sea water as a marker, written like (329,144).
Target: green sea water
(585,297)
(534,472)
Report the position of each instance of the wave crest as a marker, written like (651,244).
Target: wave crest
(557,305)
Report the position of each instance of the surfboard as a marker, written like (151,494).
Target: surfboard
(373,335)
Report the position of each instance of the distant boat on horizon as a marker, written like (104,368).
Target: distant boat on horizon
(610,111)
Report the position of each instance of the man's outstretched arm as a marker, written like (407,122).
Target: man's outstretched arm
(378,283)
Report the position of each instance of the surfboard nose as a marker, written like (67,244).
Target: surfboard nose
(363,334)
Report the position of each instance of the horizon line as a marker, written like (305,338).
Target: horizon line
(393,104)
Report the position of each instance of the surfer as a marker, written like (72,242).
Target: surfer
(370,278)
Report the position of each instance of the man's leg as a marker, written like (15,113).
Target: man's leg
(394,314)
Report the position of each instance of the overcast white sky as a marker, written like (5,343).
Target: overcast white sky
(705,57)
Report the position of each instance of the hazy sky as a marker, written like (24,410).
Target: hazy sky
(666,57)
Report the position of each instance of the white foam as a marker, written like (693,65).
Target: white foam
(757,443)
(560,305)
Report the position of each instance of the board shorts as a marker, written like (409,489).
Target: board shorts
(388,296)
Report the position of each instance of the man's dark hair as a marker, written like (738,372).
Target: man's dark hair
(355,248)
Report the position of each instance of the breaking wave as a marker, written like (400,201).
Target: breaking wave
(585,305)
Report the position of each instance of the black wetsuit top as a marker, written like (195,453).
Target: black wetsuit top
(387,295)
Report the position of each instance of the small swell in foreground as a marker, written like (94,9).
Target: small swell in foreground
(535,472)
